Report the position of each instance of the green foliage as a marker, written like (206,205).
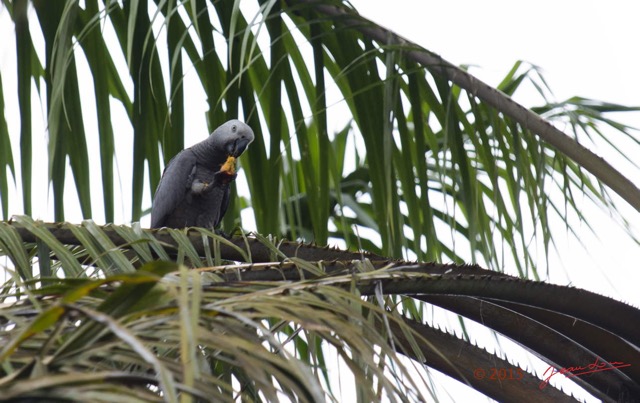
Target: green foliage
(420,166)
(287,327)
(437,173)
(182,333)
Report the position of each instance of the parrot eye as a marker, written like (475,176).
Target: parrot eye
(234,128)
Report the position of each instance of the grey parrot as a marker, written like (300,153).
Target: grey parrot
(194,188)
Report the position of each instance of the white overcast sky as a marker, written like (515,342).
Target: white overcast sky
(586,47)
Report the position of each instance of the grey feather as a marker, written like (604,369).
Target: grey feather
(193,191)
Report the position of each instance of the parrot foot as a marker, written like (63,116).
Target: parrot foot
(198,186)
(224,177)
(222,233)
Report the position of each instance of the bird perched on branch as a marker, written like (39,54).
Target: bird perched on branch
(194,188)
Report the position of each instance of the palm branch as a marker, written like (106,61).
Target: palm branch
(263,329)
(446,168)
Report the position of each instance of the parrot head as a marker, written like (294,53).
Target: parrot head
(228,142)
(232,138)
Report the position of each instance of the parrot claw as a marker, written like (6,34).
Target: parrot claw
(223,177)
(222,234)
(199,186)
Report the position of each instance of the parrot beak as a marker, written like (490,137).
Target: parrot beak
(237,147)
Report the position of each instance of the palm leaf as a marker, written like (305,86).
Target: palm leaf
(427,133)
(113,324)
(430,164)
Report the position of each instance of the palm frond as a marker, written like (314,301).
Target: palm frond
(177,331)
(362,138)
(437,152)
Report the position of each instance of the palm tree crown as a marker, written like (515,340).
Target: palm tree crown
(431,165)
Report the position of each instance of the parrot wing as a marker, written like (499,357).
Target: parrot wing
(173,186)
